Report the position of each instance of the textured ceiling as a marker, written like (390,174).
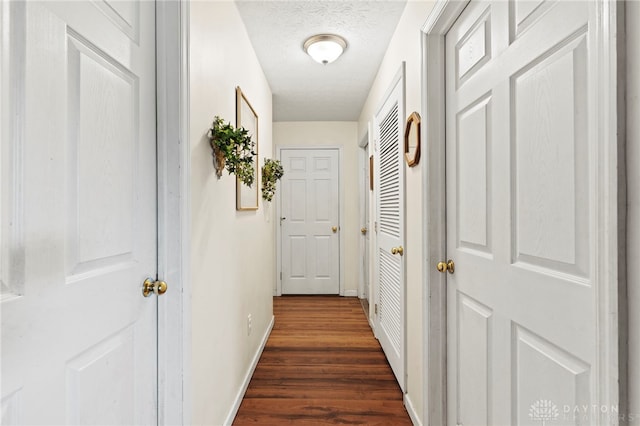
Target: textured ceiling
(304,90)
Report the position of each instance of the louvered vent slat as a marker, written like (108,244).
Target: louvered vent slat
(389,172)
(390,297)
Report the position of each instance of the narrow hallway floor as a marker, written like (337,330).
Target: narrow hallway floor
(322,365)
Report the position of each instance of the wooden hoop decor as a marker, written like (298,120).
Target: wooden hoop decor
(412,140)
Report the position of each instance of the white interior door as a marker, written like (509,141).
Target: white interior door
(78,216)
(521,187)
(390,211)
(310,225)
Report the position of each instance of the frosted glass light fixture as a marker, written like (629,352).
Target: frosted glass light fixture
(325,48)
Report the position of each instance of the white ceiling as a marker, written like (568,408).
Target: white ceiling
(304,90)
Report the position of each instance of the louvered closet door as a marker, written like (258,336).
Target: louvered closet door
(390,218)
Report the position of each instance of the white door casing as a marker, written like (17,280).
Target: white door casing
(310,221)
(632,157)
(531,211)
(390,211)
(363,290)
(366,268)
(79,201)
(174,344)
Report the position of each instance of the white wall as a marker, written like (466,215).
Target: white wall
(232,252)
(405,46)
(341,134)
(633,194)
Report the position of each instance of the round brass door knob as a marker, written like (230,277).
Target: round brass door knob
(153,287)
(363,231)
(447,266)
(334,229)
(161,288)
(397,250)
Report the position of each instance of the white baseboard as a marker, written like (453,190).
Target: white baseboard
(247,378)
(351,293)
(415,419)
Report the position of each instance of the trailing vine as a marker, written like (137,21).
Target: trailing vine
(272,171)
(233,149)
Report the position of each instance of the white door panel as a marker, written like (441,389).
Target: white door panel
(310,211)
(78,200)
(521,304)
(391,315)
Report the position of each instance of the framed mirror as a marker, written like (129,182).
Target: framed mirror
(247,196)
(412,140)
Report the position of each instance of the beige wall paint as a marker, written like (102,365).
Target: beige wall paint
(405,46)
(633,194)
(232,253)
(341,134)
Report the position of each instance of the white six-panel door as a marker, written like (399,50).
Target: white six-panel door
(78,202)
(309,224)
(389,177)
(520,214)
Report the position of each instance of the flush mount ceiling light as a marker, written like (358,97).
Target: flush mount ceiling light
(325,48)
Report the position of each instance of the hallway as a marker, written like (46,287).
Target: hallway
(471,167)
(321,365)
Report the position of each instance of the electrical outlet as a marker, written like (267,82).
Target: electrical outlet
(249,324)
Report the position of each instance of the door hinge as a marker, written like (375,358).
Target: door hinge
(375,226)
(280,275)
(375,308)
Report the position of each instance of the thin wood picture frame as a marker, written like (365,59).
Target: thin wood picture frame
(371,173)
(246,116)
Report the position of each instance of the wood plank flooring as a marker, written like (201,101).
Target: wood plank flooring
(322,365)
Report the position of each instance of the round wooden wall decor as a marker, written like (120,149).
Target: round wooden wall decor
(412,140)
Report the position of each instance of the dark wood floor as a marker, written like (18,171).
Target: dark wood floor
(322,365)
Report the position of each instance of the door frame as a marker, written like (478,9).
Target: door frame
(174,211)
(611,176)
(279,148)
(363,159)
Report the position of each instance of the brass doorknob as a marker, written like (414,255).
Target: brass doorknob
(397,250)
(447,266)
(161,288)
(156,287)
(334,229)
(364,230)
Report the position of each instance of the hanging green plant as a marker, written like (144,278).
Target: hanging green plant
(233,149)
(272,171)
